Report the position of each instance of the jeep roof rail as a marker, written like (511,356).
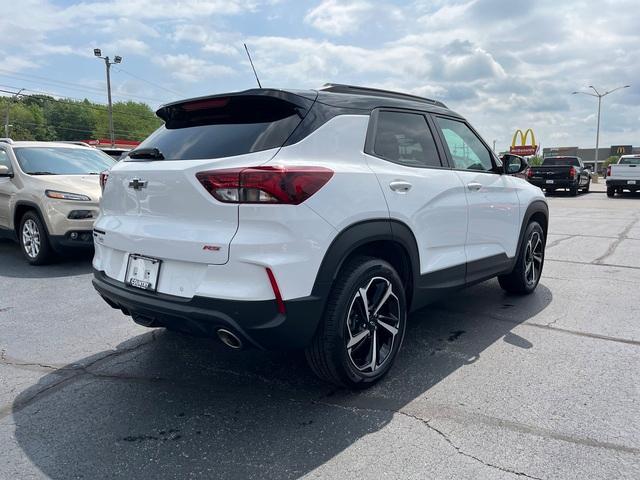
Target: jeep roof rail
(356,90)
(6,140)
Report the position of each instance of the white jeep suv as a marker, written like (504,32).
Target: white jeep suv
(312,220)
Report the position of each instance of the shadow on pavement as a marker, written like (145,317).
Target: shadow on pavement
(13,264)
(170,406)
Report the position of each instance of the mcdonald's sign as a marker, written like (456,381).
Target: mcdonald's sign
(617,150)
(523,149)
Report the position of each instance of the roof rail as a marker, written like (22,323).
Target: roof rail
(75,142)
(6,140)
(356,90)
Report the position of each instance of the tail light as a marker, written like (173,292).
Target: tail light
(529,173)
(103,179)
(572,172)
(608,170)
(268,184)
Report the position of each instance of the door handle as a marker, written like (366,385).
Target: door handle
(473,186)
(400,186)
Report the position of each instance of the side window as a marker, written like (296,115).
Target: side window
(405,138)
(4,159)
(467,151)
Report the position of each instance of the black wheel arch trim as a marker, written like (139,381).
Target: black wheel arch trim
(535,207)
(358,235)
(27,203)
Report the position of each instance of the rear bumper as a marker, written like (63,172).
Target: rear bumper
(258,323)
(560,183)
(623,184)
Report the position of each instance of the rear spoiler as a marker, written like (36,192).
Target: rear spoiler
(300,98)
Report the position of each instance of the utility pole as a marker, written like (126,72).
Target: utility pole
(494,146)
(600,96)
(6,117)
(117,59)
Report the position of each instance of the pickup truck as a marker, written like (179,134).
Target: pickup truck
(624,175)
(561,172)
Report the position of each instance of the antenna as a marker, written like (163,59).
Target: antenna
(251,62)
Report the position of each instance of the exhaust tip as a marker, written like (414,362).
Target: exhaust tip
(230,339)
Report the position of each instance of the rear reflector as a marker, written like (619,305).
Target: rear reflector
(276,291)
(268,184)
(103,179)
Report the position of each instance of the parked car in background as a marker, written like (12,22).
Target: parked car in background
(258,217)
(624,175)
(568,173)
(49,194)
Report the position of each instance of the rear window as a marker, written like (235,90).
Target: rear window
(561,161)
(62,161)
(629,161)
(225,126)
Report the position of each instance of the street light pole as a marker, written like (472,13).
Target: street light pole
(6,117)
(599,96)
(117,59)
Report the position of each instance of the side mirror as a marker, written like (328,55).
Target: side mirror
(4,171)
(513,164)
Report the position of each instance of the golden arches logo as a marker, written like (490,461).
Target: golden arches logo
(523,138)
(620,150)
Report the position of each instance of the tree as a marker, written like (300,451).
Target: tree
(535,161)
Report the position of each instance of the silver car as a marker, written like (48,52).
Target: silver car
(49,195)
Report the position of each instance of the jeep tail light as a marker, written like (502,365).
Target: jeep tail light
(572,172)
(266,184)
(608,170)
(103,179)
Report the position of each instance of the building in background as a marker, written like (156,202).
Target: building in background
(588,155)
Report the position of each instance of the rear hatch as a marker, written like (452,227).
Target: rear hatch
(154,205)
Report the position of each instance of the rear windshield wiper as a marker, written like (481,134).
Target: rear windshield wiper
(150,153)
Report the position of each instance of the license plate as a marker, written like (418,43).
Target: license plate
(142,272)
(549,181)
(631,182)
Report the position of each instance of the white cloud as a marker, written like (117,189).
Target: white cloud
(336,17)
(191,69)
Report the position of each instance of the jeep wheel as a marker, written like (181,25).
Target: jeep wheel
(528,269)
(34,239)
(587,186)
(611,192)
(363,325)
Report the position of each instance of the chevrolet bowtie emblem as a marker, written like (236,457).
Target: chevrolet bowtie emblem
(137,184)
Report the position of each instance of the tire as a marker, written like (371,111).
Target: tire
(587,187)
(573,191)
(345,322)
(523,280)
(611,192)
(34,239)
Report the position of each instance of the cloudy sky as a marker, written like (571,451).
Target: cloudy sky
(504,64)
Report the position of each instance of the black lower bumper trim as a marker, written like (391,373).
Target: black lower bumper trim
(257,323)
(555,184)
(623,184)
(83,239)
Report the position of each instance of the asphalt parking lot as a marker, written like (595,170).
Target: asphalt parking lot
(487,386)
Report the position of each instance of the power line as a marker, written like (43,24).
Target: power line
(63,84)
(122,70)
(70,129)
(68,101)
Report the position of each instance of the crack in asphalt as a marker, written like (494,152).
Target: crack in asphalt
(578,262)
(612,248)
(427,423)
(74,373)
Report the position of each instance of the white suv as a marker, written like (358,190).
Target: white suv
(312,220)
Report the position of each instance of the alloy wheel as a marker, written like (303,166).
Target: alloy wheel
(373,323)
(533,258)
(31,238)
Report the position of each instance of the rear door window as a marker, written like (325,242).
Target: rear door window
(405,138)
(225,126)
